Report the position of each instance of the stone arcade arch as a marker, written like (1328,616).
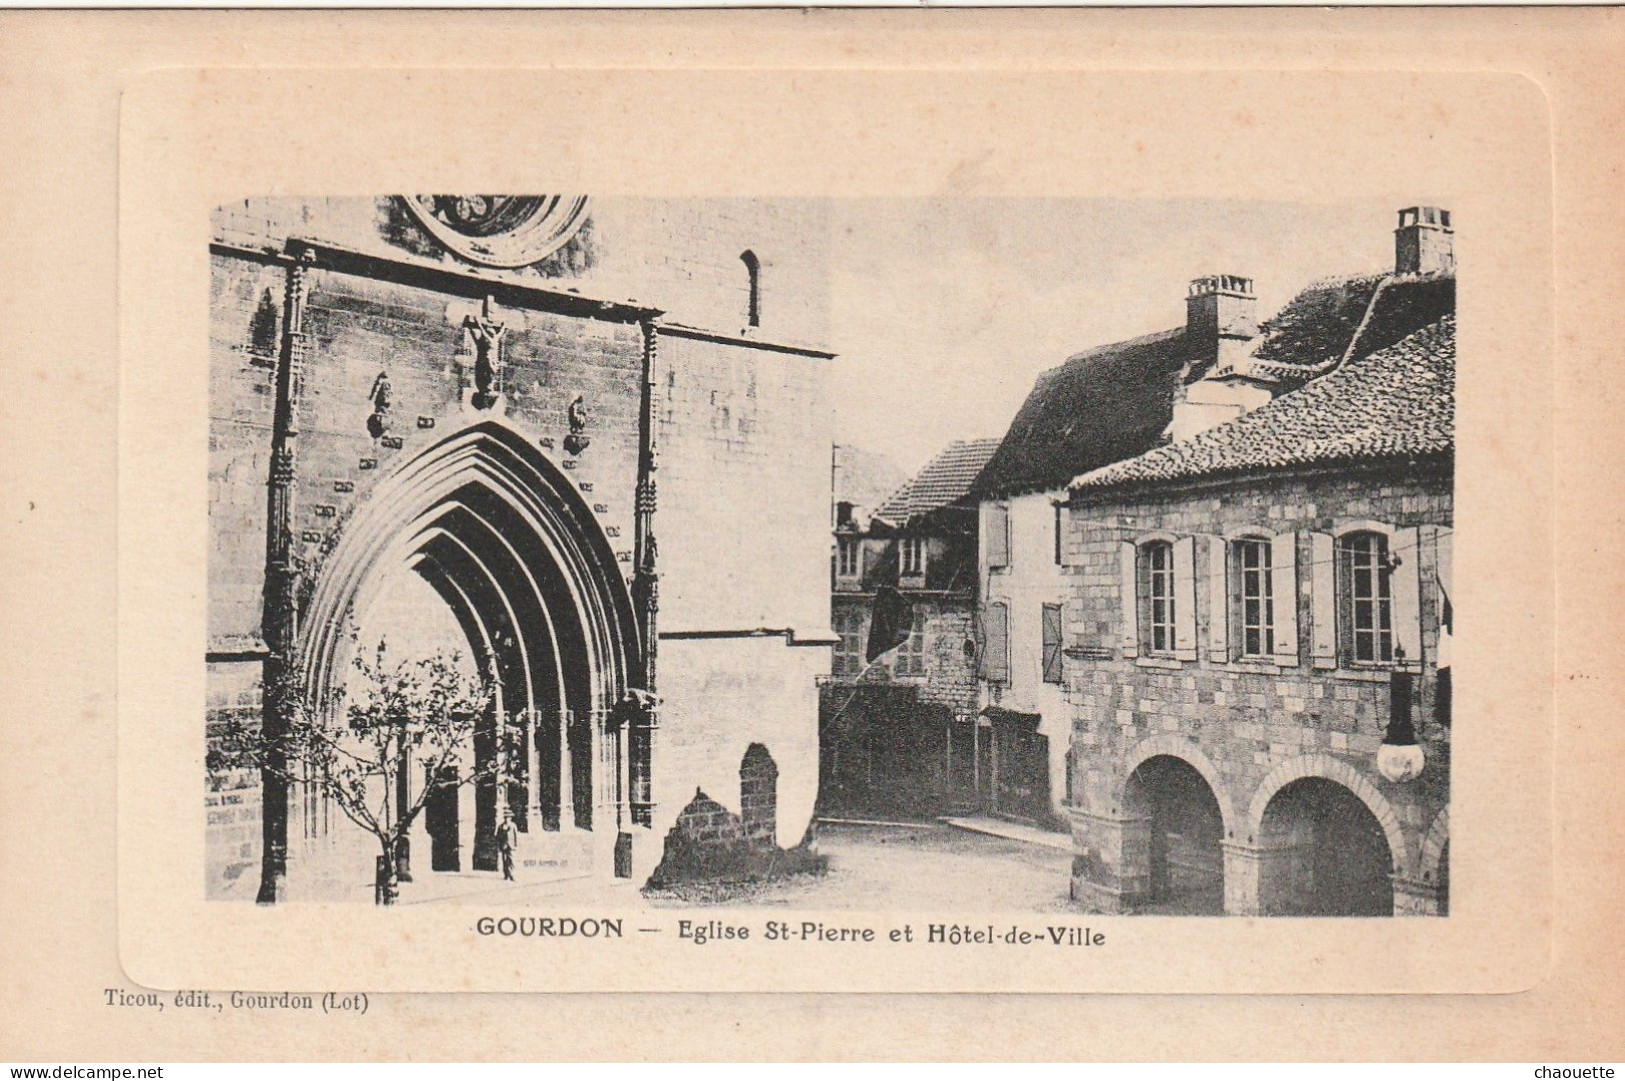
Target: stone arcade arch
(1433,863)
(1193,756)
(504,539)
(1181,814)
(1330,843)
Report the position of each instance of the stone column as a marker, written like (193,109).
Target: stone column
(1242,871)
(280,620)
(1111,865)
(645,719)
(1268,879)
(1413,897)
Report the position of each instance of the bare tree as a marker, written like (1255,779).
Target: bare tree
(390,715)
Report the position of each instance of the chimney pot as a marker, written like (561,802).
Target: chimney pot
(1221,317)
(1424,243)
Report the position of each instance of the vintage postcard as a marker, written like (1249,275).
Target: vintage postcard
(977,526)
(853,590)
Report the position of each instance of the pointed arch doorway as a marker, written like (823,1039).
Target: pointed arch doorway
(481,543)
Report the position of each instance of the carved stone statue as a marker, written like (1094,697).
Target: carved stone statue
(381,396)
(577,441)
(487,334)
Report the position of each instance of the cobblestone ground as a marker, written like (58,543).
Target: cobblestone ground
(881,867)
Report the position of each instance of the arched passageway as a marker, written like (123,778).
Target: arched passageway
(1327,854)
(1180,844)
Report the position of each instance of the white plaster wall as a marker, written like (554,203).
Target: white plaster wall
(1031,580)
(720,695)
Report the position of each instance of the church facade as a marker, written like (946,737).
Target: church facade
(584,443)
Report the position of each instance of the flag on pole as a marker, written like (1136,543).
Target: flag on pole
(890,625)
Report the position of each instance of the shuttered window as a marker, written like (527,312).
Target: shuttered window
(1052,643)
(1365,599)
(998,535)
(996,643)
(1159,591)
(1257,602)
(849,650)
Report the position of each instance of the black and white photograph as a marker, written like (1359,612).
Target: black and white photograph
(1026,555)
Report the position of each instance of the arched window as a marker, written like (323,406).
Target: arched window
(1365,600)
(753,273)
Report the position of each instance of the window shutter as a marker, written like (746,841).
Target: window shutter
(1284,594)
(1446,568)
(1128,560)
(1218,600)
(1404,583)
(998,535)
(1323,601)
(1052,643)
(1185,598)
(996,657)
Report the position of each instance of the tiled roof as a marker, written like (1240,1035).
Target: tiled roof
(1396,403)
(1115,402)
(944,480)
(864,478)
(1101,406)
(1319,324)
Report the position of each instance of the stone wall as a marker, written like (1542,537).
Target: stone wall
(950,673)
(759,795)
(233,798)
(680,255)
(1248,727)
(720,696)
(743,524)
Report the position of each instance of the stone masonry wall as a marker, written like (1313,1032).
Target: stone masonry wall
(1249,727)
(680,255)
(233,798)
(744,484)
(950,676)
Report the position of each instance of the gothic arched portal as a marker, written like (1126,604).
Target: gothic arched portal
(507,544)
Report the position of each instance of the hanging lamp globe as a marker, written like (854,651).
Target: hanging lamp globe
(1400,757)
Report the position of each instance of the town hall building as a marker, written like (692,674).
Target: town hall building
(1258,610)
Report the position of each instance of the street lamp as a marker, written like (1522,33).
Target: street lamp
(1400,757)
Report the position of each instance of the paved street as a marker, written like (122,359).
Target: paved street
(898,869)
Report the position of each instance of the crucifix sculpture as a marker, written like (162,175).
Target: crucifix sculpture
(487,334)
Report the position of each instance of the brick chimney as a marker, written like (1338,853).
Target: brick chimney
(1424,243)
(1221,319)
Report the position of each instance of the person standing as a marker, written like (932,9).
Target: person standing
(507,841)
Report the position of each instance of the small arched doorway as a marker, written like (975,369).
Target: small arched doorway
(1180,852)
(1326,854)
